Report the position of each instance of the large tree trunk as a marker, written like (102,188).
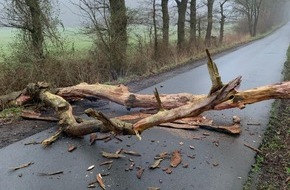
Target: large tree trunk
(118,35)
(257,7)
(209,22)
(156,53)
(165,24)
(181,6)
(222,22)
(192,37)
(37,27)
(171,107)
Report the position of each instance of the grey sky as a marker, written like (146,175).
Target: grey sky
(70,19)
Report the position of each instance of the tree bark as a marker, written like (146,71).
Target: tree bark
(165,23)
(221,96)
(209,23)
(118,35)
(181,6)
(37,27)
(252,11)
(155,30)
(193,22)
(222,22)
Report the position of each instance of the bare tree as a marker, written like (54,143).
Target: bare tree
(193,22)
(34,18)
(106,22)
(181,6)
(165,23)
(251,9)
(155,29)
(118,34)
(209,5)
(273,13)
(222,21)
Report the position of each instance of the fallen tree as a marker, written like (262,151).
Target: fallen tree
(171,107)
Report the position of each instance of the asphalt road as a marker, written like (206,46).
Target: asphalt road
(221,167)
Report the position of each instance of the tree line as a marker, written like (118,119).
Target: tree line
(109,24)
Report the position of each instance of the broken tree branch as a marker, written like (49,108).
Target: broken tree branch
(188,110)
(178,105)
(214,74)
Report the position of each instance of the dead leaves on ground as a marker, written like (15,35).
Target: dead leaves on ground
(139,173)
(175,159)
(118,154)
(156,164)
(71,148)
(99,180)
(112,155)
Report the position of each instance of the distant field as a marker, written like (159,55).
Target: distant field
(80,43)
(75,39)
(72,37)
(6,37)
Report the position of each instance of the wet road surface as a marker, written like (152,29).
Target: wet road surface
(225,166)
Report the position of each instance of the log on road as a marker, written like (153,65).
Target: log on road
(171,106)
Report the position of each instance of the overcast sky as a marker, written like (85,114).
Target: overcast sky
(70,19)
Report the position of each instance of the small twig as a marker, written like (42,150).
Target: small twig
(32,143)
(253,148)
(106,163)
(22,166)
(254,124)
(50,174)
(53,138)
(156,94)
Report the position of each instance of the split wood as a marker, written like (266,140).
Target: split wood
(171,106)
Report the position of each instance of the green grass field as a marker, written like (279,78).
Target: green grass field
(6,37)
(78,42)
(73,39)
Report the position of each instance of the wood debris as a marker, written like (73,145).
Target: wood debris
(253,148)
(93,138)
(153,188)
(185,165)
(119,151)
(131,167)
(29,114)
(139,173)
(22,166)
(254,124)
(179,126)
(91,167)
(51,173)
(106,163)
(156,164)
(175,159)
(236,119)
(178,106)
(71,148)
(162,155)
(129,152)
(191,156)
(91,185)
(112,155)
(32,143)
(100,181)
(215,164)
(168,170)
(234,129)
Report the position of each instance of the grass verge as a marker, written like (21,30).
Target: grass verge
(272,167)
